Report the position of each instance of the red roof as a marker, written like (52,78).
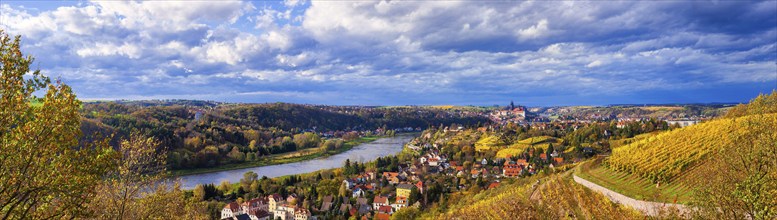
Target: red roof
(382,216)
(380,199)
(390,174)
(232,206)
(276,197)
(384,209)
(493,185)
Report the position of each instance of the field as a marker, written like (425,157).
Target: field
(633,186)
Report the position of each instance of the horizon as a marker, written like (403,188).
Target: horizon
(420,105)
(404,53)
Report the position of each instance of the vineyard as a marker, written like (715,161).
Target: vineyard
(662,157)
(519,147)
(487,142)
(558,198)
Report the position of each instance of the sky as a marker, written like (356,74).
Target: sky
(535,53)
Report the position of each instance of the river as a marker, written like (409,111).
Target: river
(364,152)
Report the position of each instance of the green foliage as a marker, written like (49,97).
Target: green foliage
(244,133)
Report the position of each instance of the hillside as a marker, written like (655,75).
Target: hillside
(201,134)
(725,167)
(553,197)
(519,147)
(664,156)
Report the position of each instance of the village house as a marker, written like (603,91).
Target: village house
(292,199)
(379,201)
(326,204)
(255,204)
(404,190)
(382,216)
(259,215)
(231,210)
(349,183)
(358,192)
(301,214)
(392,177)
(400,203)
(420,186)
(288,212)
(284,212)
(273,201)
(511,169)
(385,209)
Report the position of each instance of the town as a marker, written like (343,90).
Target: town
(435,165)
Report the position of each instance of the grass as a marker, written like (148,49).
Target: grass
(634,186)
(290,157)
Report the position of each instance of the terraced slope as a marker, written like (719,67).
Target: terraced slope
(665,156)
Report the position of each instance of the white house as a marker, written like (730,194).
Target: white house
(399,204)
(231,210)
(379,201)
(273,201)
(358,192)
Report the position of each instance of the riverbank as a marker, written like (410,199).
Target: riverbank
(364,152)
(289,157)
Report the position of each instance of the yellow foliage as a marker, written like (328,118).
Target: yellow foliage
(486,142)
(559,198)
(763,104)
(664,156)
(509,152)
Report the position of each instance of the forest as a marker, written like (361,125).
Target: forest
(200,134)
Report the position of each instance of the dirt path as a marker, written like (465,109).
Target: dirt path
(649,208)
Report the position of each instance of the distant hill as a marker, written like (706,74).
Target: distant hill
(203,133)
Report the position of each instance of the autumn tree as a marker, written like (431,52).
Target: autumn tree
(248,178)
(43,172)
(740,182)
(137,187)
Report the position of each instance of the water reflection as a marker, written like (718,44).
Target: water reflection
(362,153)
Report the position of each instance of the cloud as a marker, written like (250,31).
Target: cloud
(535,31)
(103,49)
(398,52)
